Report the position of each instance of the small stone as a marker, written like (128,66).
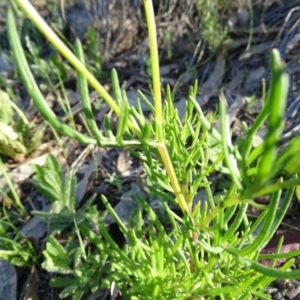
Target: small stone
(270,290)
(8,281)
(279,295)
(6,66)
(293,293)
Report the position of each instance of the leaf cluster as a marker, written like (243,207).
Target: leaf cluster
(84,274)
(17,136)
(213,248)
(14,247)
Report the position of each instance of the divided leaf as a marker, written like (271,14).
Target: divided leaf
(56,259)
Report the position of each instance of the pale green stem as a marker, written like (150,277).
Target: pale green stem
(154,68)
(173,178)
(158,107)
(65,51)
(40,23)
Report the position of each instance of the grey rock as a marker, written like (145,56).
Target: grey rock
(8,281)
(6,65)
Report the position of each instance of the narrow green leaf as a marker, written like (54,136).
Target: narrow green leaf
(32,87)
(263,236)
(46,190)
(271,272)
(55,264)
(52,164)
(276,102)
(227,144)
(123,119)
(288,160)
(145,99)
(116,87)
(60,282)
(71,290)
(55,249)
(287,184)
(298,192)
(85,98)
(146,133)
(69,189)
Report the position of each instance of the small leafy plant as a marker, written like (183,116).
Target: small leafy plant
(19,137)
(213,249)
(14,247)
(213,32)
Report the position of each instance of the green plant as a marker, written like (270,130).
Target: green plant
(212,250)
(14,195)
(14,246)
(213,32)
(115,180)
(85,273)
(16,137)
(93,50)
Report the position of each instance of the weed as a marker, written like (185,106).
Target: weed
(212,250)
(19,137)
(212,30)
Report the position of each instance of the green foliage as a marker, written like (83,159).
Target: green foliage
(156,258)
(213,250)
(212,30)
(56,259)
(85,275)
(167,264)
(48,181)
(93,49)
(16,137)
(14,247)
(114,180)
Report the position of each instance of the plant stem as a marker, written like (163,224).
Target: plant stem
(11,187)
(173,178)
(40,23)
(154,68)
(158,107)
